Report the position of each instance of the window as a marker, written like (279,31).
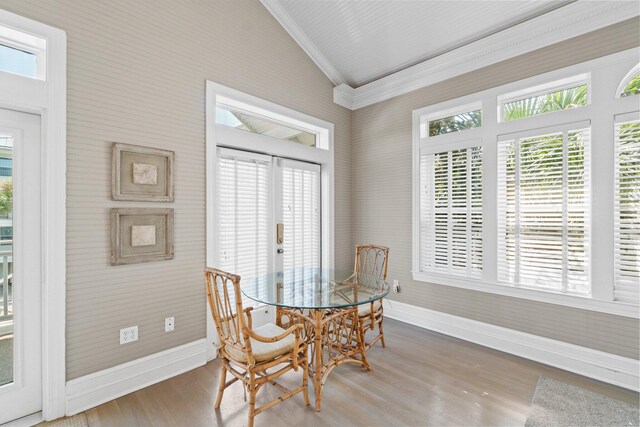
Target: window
(559,95)
(451,212)
(543,193)
(539,198)
(252,123)
(22,53)
(18,61)
(627,209)
(455,123)
(631,83)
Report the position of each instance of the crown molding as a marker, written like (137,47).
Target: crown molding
(287,22)
(561,24)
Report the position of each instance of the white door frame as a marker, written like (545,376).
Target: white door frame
(323,155)
(47,97)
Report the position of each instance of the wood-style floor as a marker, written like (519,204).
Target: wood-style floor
(421,378)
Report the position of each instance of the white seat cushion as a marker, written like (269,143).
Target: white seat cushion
(265,350)
(365,309)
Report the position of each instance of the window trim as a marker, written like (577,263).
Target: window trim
(605,73)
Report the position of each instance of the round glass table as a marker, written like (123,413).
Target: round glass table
(326,303)
(313,288)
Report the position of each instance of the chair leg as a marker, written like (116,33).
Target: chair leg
(223,380)
(252,400)
(305,382)
(381,334)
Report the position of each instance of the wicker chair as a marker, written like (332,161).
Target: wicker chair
(372,260)
(248,353)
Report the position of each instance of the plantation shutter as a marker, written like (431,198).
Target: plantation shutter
(627,209)
(543,209)
(243,211)
(301,214)
(451,212)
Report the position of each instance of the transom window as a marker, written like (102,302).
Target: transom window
(255,124)
(509,199)
(22,54)
(631,83)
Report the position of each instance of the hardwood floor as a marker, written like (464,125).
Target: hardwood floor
(421,378)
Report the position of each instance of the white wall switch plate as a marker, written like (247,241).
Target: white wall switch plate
(396,286)
(128,335)
(169,324)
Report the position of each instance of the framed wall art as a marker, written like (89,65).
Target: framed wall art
(142,173)
(141,235)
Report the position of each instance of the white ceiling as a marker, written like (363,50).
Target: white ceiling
(363,41)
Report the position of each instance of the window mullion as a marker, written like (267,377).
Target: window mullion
(449,213)
(468,208)
(565,206)
(516,237)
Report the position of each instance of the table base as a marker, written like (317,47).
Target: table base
(333,337)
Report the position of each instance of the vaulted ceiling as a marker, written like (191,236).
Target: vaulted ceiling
(366,40)
(369,46)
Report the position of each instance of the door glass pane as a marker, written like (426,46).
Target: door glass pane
(6,259)
(243,216)
(301,214)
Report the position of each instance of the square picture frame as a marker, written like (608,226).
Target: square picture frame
(141,235)
(142,173)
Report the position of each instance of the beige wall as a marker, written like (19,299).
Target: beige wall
(381,161)
(136,74)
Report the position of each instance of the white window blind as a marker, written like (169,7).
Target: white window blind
(543,209)
(243,210)
(627,210)
(451,212)
(301,214)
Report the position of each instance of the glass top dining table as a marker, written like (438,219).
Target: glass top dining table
(315,288)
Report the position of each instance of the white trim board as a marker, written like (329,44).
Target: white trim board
(610,368)
(569,21)
(94,389)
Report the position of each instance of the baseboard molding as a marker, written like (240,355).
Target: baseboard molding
(100,387)
(610,368)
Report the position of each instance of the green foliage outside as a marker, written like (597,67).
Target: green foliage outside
(633,87)
(555,101)
(472,119)
(6,197)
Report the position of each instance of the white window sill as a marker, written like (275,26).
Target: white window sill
(585,303)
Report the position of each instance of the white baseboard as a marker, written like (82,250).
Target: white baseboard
(100,387)
(28,421)
(610,368)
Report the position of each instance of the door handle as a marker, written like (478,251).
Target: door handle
(279,233)
(280,251)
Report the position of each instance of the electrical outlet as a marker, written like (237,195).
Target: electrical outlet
(128,335)
(169,324)
(396,286)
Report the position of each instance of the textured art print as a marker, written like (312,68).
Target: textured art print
(142,173)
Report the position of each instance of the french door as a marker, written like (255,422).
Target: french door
(20,265)
(267,213)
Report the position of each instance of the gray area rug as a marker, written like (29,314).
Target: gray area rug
(6,360)
(79,420)
(558,404)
